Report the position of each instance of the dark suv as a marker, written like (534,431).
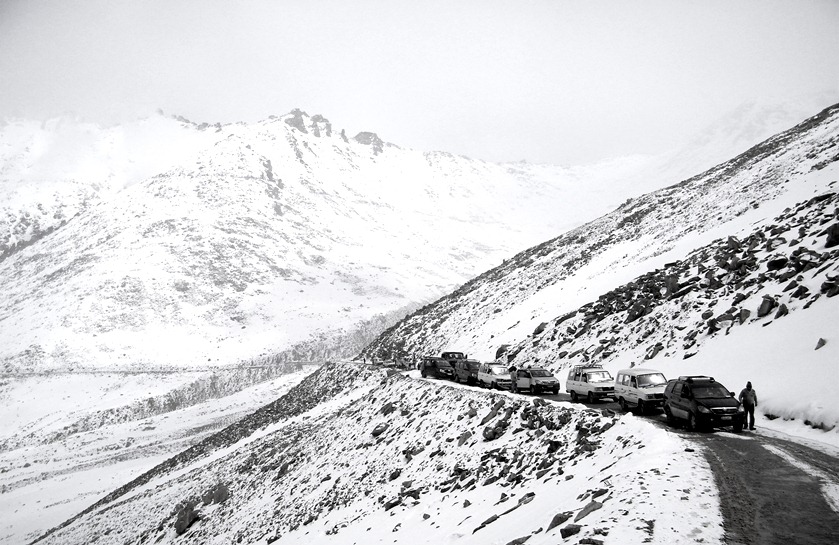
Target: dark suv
(436,368)
(466,371)
(703,403)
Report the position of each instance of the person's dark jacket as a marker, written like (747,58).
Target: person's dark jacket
(748,397)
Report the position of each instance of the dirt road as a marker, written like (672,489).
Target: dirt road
(772,490)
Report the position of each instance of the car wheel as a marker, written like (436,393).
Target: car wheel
(622,403)
(738,427)
(590,398)
(574,396)
(641,408)
(556,391)
(423,374)
(691,422)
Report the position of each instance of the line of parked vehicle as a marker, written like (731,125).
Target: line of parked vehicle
(697,400)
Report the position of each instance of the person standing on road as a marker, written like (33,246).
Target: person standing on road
(514,376)
(748,397)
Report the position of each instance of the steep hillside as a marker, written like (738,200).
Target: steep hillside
(354,454)
(749,240)
(246,239)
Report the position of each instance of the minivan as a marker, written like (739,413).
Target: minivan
(640,389)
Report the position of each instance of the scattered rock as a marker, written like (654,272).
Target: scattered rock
(217,494)
(588,509)
(570,530)
(559,518)
(186,516)
(380,429)
(820,343)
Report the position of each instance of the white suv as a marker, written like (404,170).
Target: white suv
(589,381)
(494,375)
(642,389)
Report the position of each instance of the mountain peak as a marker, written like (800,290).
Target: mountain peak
(300,120)
(370,139)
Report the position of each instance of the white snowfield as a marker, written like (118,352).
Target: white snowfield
(395,459)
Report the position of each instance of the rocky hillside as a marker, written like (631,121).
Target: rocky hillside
(541,282)
(743,244)
(354,452)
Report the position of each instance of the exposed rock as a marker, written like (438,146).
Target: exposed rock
(186,516)
(390,504)
(387,408)
(570,530)
(559,518)
(832,236)
(217,494)
(380,429)
(744,315)
(766,306)
(370,139)
(820,343)
(592,506)
(518,540)
(464,437)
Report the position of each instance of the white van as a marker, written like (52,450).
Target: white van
(591,382)
(642,389)
(494,375)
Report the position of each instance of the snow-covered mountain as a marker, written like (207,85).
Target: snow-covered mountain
(168,243)
(668,273)
(214,249)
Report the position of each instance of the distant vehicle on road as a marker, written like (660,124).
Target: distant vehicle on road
(453,357)
(466,371)
(641,389)
(537,380)
(494,375)
(702,403)
(436,368)
(591,382)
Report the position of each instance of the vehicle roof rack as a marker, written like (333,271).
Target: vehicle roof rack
(691,378)
(587,366)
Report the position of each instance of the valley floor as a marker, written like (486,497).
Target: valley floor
(48,473)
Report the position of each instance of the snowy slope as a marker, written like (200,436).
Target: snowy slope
(390,458)
(91,433)
(252,237)
(648,277)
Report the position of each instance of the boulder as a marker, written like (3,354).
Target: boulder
(558,519)
(185,517)
(766,306)
(216,494)
(380,429)
(570,530)
(744,315)
(832,236)
(588,509)
(777,263)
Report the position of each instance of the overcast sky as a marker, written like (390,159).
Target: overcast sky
(543,80)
